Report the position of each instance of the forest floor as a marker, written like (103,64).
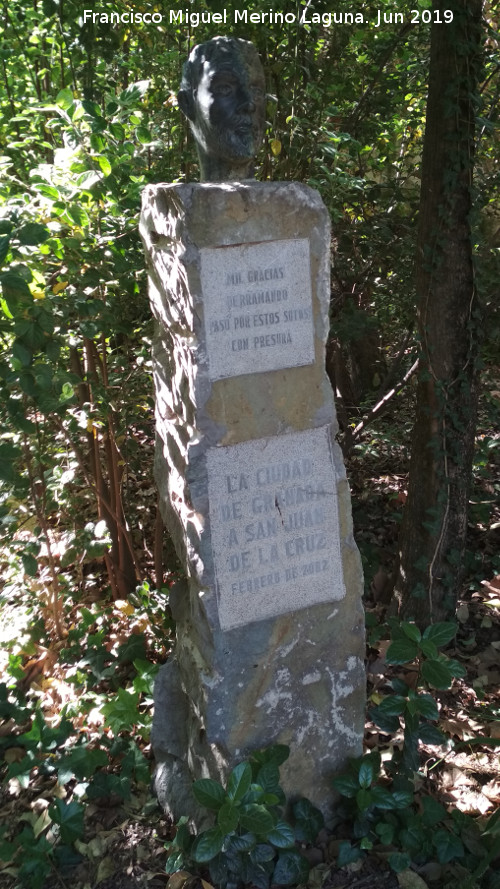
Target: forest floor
(121,842)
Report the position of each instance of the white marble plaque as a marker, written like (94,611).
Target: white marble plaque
(257,306)
(275,528)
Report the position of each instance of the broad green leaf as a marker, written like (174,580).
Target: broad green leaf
(383,798)
(239,781)
(262,852)
(437,673)
(65,99)
(384,721)
(143,135)
(268,777)
(117,131)
(78,215)
(207,845)
(392,705)
(13,284)
(364,799)
(104,164)
(402,651)
(257,819)
(48,191)
(175,862)
(346,785)
(242,843)
(441,633)
(430,734)
(402,798)
(22,353)
(9,454)
(209,793)
(427,707)
(30,564)
(4,247)
(228,817)
(429,648)
(365,775)
(411,631)
(32,234)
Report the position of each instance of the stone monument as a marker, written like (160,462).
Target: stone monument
(269,624)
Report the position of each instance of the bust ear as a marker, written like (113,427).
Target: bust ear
(186,103)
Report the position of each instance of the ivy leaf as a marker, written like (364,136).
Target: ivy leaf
(291,868)
(399,861)
(347,854)
(309,821)
(121,712)
(69,817)
(282,836)
(448,846)
(434,812)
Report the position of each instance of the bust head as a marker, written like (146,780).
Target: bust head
(222,94)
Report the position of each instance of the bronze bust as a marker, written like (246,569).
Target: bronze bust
(223,95)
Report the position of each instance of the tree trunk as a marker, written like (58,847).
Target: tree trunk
(434,526)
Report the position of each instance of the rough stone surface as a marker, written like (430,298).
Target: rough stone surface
(270,642)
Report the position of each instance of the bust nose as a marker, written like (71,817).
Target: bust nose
(246,101)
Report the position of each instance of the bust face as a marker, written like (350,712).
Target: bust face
(230,109)
(223,96)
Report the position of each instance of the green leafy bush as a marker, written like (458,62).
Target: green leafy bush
(250,842)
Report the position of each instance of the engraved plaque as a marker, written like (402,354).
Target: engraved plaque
(275,529)
(258,307)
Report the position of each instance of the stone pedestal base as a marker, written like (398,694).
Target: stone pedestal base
(270,631)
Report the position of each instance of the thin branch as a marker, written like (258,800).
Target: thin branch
(351,437)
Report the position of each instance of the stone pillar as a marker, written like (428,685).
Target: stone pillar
(270,630)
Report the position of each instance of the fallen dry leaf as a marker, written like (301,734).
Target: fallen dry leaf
(491,790)
(408,879)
